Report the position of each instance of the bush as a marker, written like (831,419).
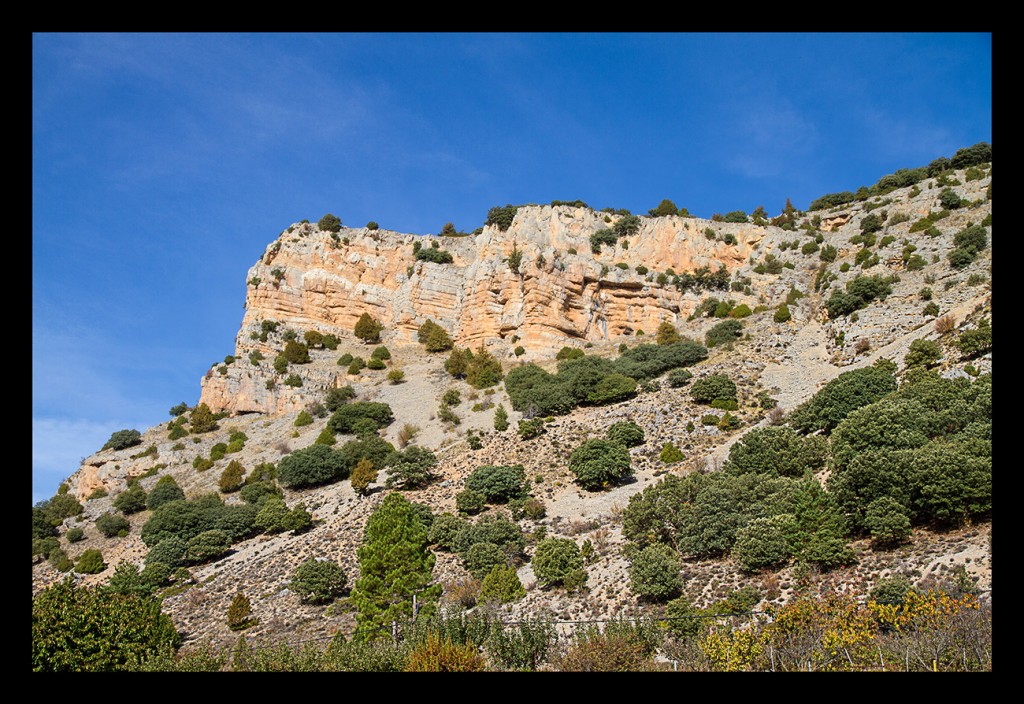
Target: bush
(75,534)
(597,463)
(625,433)
(412,468)
(338,397)
(603,236)
(329,223)
(343,420)
(435,654)
(367,328)
(122,439)
(713,388)
(240,612)
(924,353)
(319,581)
(130,501)
(432,254)
(372,225)
(111,524)
(679,377)
(834,401)
(501,217)
(165,491)
(654,573)
(231,477)
(671,454)
(723,332)
(207,546)
(978,341)
(612,389)
(529,429)
(312,466)
(481,558)
(557,561)
(500,418)
(376,364)
(90,562)
(76,629)
(444,529)
(887,521)
(761,544)
(667,334)
(498,484)
(296,352)
(777,451)
(381,353)
(363,474)
(501,585)
(949,200)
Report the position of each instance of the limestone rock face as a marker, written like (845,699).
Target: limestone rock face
(313,280)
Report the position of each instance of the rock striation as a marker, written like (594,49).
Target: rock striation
(560,294)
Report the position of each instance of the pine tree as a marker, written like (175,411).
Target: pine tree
(202,420)
(500,418)
(367,328)
(394,564)
(239,612)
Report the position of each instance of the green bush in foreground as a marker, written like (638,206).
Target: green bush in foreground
(76,629)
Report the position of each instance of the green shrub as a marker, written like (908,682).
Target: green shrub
(501,585)
(777,451)
(363,474)
(445,528)
(723,332)
(111,524)
(75,534)
(501,217)
(500,418)
(557,561)
(762,544)
(240,613)
(329,223)
(77,629)
(296,352)
(201,464)
(922,352)
(847,392)
(130,501)
(654,573)
(90,562)
(165,491)
(713,387)
(612,389)
(529,429)
(740,311)
(481,558)
(312,466)
(887,520)
(343,420)
(123,439)
(411,468)
(293,380)
(625,433)
(597,463)
(319,581)
(208,545)
(976,341)
(435,255)
(671,454)
(231,477)
(367,329)
(376,364)
(498,484)
(679,377)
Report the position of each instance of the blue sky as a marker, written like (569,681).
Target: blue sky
(164,164)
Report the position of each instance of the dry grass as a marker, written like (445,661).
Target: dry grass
(945,324)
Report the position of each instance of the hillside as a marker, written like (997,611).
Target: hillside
(563,292)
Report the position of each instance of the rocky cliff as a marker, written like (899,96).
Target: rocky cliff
(560,294)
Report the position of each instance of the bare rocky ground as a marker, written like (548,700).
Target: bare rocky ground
(790,361)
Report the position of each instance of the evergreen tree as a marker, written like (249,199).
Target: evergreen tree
(394,564)
(367,328)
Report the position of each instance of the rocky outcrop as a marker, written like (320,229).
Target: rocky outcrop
(560,294)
